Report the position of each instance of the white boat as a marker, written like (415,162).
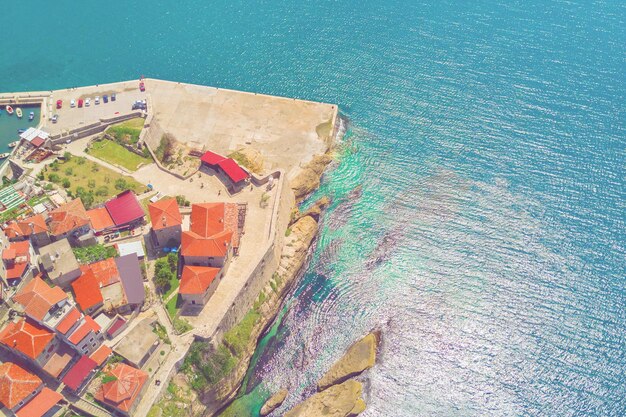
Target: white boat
(18,112)
(9,110)
(4,155)
(14,144)
(31,115)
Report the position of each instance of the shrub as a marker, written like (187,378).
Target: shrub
(120,184)
(69,172)
(66,183)
(102,191)
(54,178)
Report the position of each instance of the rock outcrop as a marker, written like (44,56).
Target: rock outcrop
(308,180)
(250,158)
(274,402)
(314,211)
(343,400)
(359,357)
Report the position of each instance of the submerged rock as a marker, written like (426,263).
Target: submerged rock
(274,402)
(359,357)
(343,400)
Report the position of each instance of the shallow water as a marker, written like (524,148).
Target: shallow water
(488,138)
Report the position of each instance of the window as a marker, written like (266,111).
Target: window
(91,339)
(193,301)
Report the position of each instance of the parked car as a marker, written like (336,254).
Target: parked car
(55,118)
(107,238)
(113,97)
(72,103)
(59,104)
(97,100)
(80,102)
(142,86)
(87,102)
(140,104)
(105,98)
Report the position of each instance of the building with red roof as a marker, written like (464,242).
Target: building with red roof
(30,340)
(125,210)
(122,392)
(104,271)
(45,403)
(87,292)
(197,284)
(17,386)
(227,170)
(16,261)
(79,373)
(39,301)
(101,220)
(101,354)
(166,223)
(71,221)
(33,228)
(87,336)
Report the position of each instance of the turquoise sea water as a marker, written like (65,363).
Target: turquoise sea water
(488,240)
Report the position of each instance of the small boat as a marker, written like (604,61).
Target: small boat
(20,131)
(4,155)
(31,115)
(18,112)
(9,110)
(14,144)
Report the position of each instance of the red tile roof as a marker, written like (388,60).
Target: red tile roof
(100,219)
(27,337)
(215,246)
(37,142)
(124,208)
(16,383)
(122,392)
(34,224)
(40,404)
(233,170)
(105,271)
(119,322)
(83,330)
(68,217)
(101,354)
(196,279)
(164,213)
(87,290)
(207,218)
(68,321)
(37,298)
(79,372)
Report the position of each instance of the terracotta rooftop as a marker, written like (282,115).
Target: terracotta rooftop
(40,404)
(101,354)
(16,383)
(100,219)
(68,217)
(83,330)
(105,271)
(122,392)
(27,337)
(196,279)
(68,321)
(37,298)
(208,219)
(16,258)
(22,228)
(87,290)
(164,213)
(214,246)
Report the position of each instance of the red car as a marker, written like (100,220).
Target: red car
(59,104)
(80,102)
(142,86)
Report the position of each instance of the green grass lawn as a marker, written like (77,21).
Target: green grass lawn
(174,282)
(173,306)
(127,132)
(91,181)
(116,154)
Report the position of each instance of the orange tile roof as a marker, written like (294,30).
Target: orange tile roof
(34,224)
(196,279)
(16,383)
(122,392)
(40,404)
(37,298)
(27,337)
(100,219)
(214,246)
(68,321)
(207,218)
(68,217)
(83,330)
(105,271)
(16,250)
(164,213)
(101,354)
(87,290)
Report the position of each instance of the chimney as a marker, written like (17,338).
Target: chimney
(164,220)
(32,227)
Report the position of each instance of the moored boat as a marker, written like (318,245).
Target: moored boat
(9,110)
(4,155)
(18,112)
(31,115)
(13,144)
(19,131)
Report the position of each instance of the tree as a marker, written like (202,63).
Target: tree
(66,183)
(120,184)
(54,178)
(172,260)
